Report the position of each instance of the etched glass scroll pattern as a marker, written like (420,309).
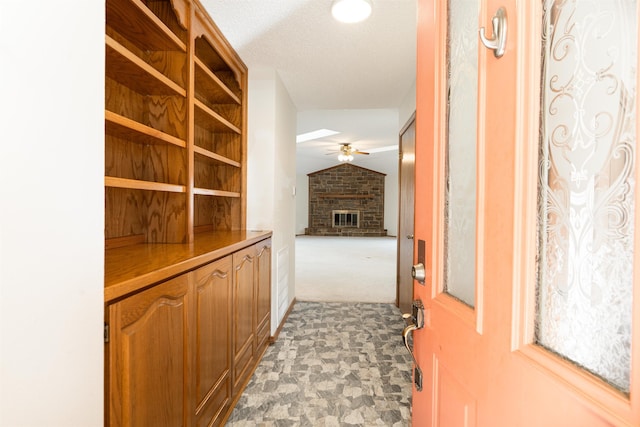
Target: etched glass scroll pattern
(586,184)
(460,191)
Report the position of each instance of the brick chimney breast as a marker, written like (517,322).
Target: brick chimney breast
(351,188)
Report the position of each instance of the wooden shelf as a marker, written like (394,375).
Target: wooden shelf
(136,22)
(124,127)
(174,147)
(211,87)
(134,184)
(213,156)
(126,68)
(217,193)
(208,119)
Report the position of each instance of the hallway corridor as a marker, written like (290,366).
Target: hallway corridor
(334,364)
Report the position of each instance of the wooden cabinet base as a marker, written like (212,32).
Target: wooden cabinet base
(182,350)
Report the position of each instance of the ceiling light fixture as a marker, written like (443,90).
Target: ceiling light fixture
(346,153)
(351,11)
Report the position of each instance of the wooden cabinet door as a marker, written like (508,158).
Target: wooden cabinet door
(263,293)
(213,341)
(243,314)
(148,362)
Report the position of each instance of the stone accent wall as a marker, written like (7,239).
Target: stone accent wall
(348,187)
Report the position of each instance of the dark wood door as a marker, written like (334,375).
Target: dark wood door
(406,215)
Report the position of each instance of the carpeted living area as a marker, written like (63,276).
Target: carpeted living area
(340,269)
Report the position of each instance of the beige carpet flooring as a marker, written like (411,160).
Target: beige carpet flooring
(346,269)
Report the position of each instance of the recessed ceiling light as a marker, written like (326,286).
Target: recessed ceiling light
(320,133)
(351,11)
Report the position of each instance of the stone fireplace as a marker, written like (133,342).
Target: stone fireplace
(346,200)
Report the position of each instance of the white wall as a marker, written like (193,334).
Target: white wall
(391,202)
(261,151)
(302,202)
(405,112)
(52,215)
(271,178)
(408,106)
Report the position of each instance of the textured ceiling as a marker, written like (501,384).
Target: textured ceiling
(331,70)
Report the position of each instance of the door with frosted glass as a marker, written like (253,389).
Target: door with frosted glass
(526,199)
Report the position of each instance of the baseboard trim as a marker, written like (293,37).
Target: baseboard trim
(274,338)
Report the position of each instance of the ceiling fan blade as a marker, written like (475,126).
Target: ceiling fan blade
(360,152)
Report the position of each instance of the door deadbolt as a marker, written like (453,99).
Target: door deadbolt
(419,273)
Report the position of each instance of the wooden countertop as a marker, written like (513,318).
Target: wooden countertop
(131,268)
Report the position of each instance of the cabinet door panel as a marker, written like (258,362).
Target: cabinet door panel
(147,357)
(243,313)
(213,339)
(263,293)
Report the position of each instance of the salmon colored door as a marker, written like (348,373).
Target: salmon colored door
(527,201)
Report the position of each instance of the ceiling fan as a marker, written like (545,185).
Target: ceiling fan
(346,152)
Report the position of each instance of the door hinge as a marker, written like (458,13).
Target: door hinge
(106,332)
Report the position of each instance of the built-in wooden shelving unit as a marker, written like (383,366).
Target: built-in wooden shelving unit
(184,280)
(175,124)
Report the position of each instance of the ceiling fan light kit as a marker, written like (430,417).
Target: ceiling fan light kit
(351,11)
(347,152)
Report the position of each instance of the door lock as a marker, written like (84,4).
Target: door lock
(416,315)
(419,273)
(417,322)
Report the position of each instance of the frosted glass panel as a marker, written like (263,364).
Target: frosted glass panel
(586,184)
(460,192)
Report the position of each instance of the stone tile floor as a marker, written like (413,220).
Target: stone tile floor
(334,364)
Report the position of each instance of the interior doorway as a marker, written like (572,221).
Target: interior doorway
(406,197)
